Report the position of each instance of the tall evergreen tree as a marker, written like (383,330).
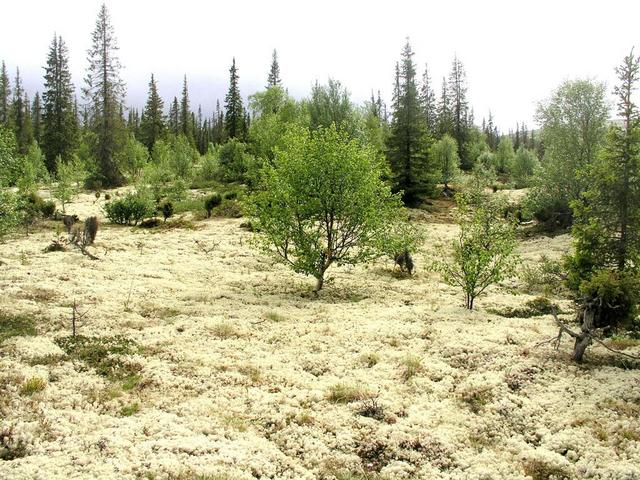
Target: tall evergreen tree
(218,133)
(445,115)
(104,92)
(274,73)
(234,120)
(186,125)
(152,124)
(60,122)
(36,118)
(460,111)
(174,117)
(5,95)
(428,99)
(408,142)
(20,117)
(608,221)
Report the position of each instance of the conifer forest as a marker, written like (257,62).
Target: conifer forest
(271,283)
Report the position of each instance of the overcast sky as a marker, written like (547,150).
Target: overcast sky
(514,53)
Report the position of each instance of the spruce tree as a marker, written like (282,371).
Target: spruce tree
(152,125)
(20,118)
(460,111)
(60,123)
(174,117)
(104,92)
(5,95)
(607,227)
(36,118)
(445,115)
(234,120)
(408,142)
(185,123)
(428,99)
(274,73)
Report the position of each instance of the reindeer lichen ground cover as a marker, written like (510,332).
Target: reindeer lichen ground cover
(222,365)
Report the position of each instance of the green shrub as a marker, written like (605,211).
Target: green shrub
(15,326)
(102,354)
(211,202)
(614,298)
(33,385)
(48,209)
(167,210)
(130,209)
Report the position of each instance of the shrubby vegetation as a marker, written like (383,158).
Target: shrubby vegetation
(322,203)
(483,251)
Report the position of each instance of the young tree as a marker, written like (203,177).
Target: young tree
(60,129)
(428,99)
(64,189)
(460,110)
(234,115)
(331,105)
(185,125)
(573,127)
(152,125)
(525,164)
(445,154)
(36,118)
(104,92)
(323,202)
(408,144)
(5,95)
(483,252)
(504,155)
(445,113)
(21,116)
(274,79)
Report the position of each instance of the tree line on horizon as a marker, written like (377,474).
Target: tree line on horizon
(102,135)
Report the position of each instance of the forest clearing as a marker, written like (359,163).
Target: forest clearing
(235,371)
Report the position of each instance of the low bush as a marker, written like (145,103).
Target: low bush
(211,202)
(130,209)
(102,354)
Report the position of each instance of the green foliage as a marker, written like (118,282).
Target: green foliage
(525,164)
(545,276)
(322,203)
(167,210)
(414,173)
(9,216)
(32,386)
(532,308)
(15,326)
(32,170)
(504,156)
(444,153)
(9,161)
(400,236)
(102,354)
(208,168)
(160,176)
(483,174)
(183,157)
(130,209)
(64,189)
(132,158)
(211,202)
(573,127)
(483,252)
(330,105)
(234,161)
(614,298)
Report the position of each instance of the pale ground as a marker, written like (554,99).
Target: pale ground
(250,399)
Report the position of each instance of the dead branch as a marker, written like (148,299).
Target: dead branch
(592,335)
(204,248)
